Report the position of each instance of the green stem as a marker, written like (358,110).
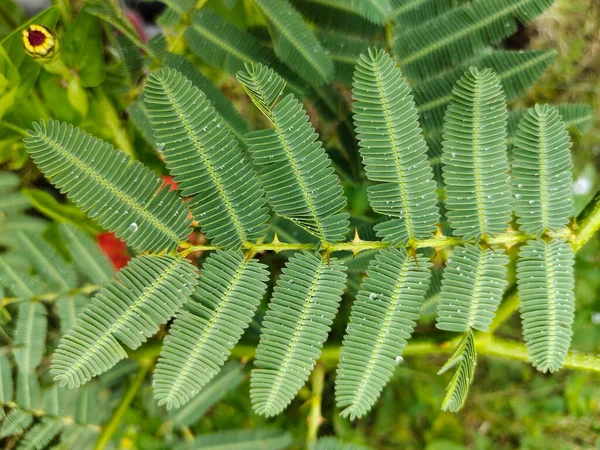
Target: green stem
(507,308)
(53,296)
(115,420)
(315,419)
(587,223)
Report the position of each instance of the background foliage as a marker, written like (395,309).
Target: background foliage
(510,405)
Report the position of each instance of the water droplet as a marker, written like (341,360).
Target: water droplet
(133,227)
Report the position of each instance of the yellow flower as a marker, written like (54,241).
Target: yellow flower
(40,43)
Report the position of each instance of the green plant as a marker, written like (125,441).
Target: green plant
(455,182)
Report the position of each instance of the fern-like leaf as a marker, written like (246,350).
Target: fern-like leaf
(17,281)
(295,44)
(344,51)
(382,319)
(202,337)
(393,150)
(88,259)
(336,14)
(304,304)
(411,13)
(545,280)
(227,380)
(517,72)
(123,196)
(41,434)
(474,157)
(206,161)
(541,171)
(236,124)
(16,422)
(465,357)
(459,34)
(472,288)
(296,172)
(146,293)
(30,335)
(69,309)
(50,266)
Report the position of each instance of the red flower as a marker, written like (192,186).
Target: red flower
(114,248)
(168,181)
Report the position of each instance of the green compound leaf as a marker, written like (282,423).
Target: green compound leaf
(393,150)
(123,196)
(145,294)
(478,195)
(474,280)
(465,357)
(304,304)
(202,337)
(541,170)
(206,161)
(545,281)
(382,320)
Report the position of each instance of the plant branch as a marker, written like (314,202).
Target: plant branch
(587,223)
(111,426)
(50,297)
(315,419)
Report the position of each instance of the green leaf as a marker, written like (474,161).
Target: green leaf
(47,263)
(517,72)
(202,337)
(225,46)
(28,390)
(145,294)
(46,204)
(545,281)
(228,379)
(123,196)
(382,319)
(336,14)
(17,281)
(16,422)
(411,13)
(295,171)
(459,34)
(69,309)
(236,124)
(13,203)
(41,434)
(262,438)
(9,181)
(344,51)
(88,259)
(541,171)
(295,44)
(304,304)
(6,382)
(478,195)
(331,443)
(30,335)
(465,358)
(83,49)
(472,288)
(393,150)
(226,196)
